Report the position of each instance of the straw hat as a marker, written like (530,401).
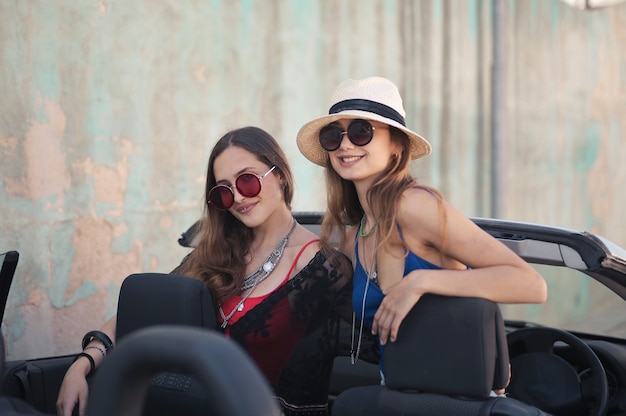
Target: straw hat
(372,98)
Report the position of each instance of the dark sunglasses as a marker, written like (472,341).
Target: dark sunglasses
(248,184)
(360,133)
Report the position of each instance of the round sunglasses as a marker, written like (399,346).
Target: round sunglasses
(248,184)
(359,132)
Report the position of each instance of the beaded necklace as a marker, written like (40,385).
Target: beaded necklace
(362,226)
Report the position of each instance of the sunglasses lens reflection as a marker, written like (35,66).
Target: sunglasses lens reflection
(360,133)
(248,185)
(221,197)
(330,138)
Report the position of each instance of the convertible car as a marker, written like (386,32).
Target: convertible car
(567,357)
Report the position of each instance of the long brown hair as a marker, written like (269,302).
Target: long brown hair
(344,207)
(224,241)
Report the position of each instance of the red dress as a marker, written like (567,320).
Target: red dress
(292,333)
(271,346)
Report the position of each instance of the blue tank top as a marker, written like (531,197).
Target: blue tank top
(375,295)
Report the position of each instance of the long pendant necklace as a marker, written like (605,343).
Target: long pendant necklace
(354,355)
(237,308)
(372,275)
(257,276)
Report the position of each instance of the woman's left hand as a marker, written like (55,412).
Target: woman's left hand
(398,301)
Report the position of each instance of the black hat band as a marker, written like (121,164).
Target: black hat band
(369,106)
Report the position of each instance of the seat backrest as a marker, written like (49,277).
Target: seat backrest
(230,380)
(450,353)
(8,264)
(148,299)
(157,299)
(449,345)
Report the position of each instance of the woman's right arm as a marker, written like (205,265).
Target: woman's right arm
(74,389)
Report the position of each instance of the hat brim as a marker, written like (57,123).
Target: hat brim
(309,144)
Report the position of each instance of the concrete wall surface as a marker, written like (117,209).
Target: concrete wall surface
(108,111)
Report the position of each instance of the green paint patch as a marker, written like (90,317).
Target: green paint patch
(87,289)
(588,151)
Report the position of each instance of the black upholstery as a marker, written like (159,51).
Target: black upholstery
(150,299)
(450,354)
(9,405)
(13,406)
(8,264)
(158,299)
(467,349)
(232,383)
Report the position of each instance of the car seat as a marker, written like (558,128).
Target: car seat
(149,299)
(449,356)
(230,380)
(13,406)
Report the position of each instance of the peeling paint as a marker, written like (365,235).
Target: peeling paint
(45,172)
(109,110)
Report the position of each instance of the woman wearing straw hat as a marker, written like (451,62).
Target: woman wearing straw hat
(404,239)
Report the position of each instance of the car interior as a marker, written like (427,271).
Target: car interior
(451,354)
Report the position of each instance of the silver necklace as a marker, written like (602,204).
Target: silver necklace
(372,275)
(257,276)
(354,355)
(268,265)
(372,270)
(238,307)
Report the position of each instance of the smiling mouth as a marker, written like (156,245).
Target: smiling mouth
(350,159)
(245,208)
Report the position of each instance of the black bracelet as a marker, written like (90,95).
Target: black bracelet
(90,358)
(100,336)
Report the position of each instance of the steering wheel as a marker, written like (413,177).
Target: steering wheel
(545,380)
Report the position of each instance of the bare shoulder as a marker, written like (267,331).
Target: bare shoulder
(305,237)
(426,217)
(420,206)
(307,244)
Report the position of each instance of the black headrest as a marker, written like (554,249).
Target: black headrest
(449,345)
(148,299)
(232,383)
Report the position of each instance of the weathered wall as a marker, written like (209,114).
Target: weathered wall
(108,110)
(567,97)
